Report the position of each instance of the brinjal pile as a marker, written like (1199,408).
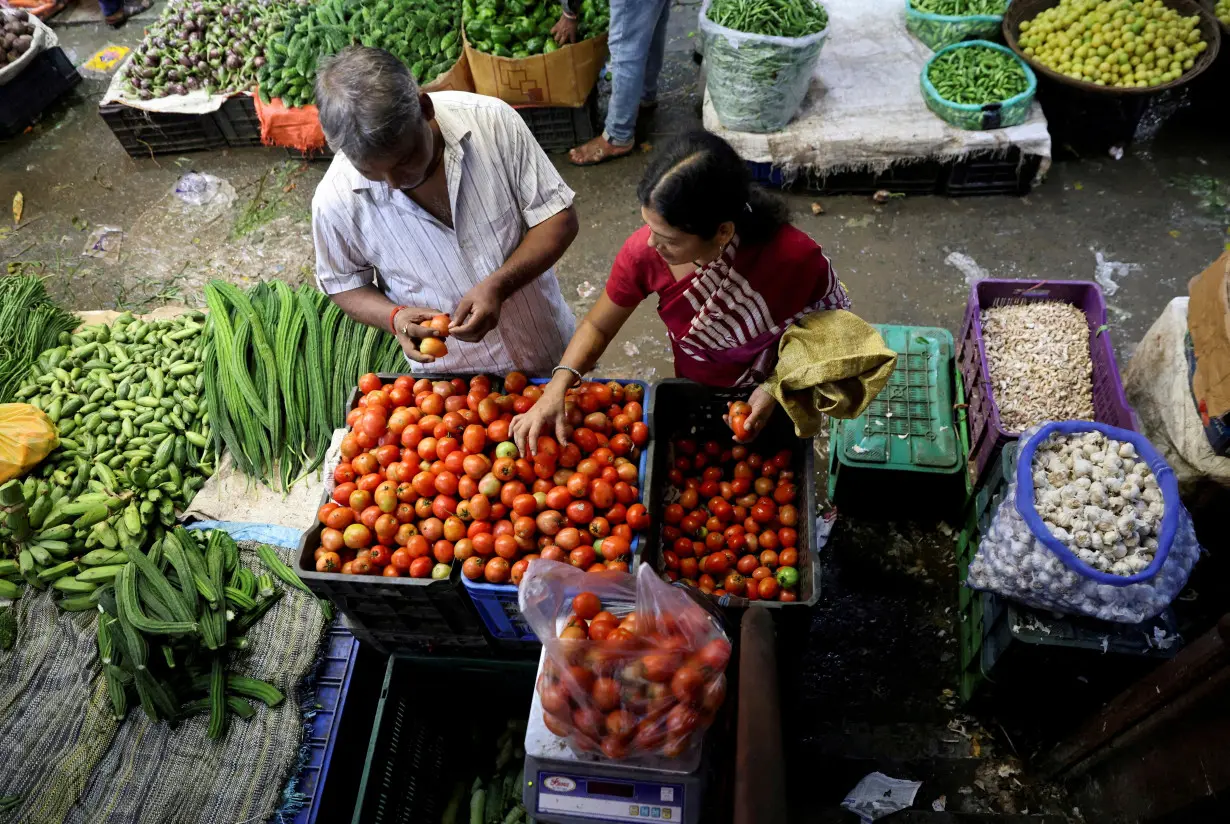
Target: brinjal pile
(16,35)
(215,45)
(423,34)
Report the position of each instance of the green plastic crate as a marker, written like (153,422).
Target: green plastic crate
(911,425)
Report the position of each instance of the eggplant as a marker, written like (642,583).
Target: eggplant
(178,88)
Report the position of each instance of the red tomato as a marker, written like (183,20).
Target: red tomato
(583,557)
(580,512)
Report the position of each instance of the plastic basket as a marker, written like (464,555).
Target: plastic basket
(497,603)
(559,128)
(418,753)
(999,115)
(990,627)
(145,134)
(940,30)
(987,434)
(47,78)
(681,406)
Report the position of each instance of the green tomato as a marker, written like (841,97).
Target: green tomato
(788,577)
(507,449)
(440,571)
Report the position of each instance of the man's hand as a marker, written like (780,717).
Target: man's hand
(565,31)
(407,326)
(477,313)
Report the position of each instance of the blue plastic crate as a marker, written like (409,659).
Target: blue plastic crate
(332,686)
(497,603)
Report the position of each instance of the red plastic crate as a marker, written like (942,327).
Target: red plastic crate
(987,434)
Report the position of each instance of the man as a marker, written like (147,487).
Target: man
(440,203)
(637,41)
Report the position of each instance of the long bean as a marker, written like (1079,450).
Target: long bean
(977,75)
(775,18)
(960,8)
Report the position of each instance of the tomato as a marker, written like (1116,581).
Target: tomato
(473,568)
(788,557)
(505,546)
(583,557)
(328,562)
(769,587)
(405,531)
(357,536)
(420,567)
(580,512)
(370,383)
(342,493)
(613,548)
(764,511)
(788,515)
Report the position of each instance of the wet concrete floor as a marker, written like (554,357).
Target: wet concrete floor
(873,687)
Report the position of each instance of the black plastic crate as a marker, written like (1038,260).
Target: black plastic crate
(978,173)
(417,753)
(1011,173)
(397,615)
(47,78)
(681,406)
(558,128)
(238,122)
(144,134)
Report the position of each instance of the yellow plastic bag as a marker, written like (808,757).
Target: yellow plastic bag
(27,436)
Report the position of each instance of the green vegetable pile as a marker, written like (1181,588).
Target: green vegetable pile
(172,620)
(520,28)
(215,45)
(1222,11)
(1121,43)
(775,18)
(496,800)
(423,34)
(134,447)
(279,365)
(960,8)
(29,323)
(977,75)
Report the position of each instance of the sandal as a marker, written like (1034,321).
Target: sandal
(598,150)
(121,17)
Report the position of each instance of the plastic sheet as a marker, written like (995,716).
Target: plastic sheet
(653,683)
(27,436)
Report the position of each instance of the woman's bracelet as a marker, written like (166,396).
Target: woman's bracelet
(575,374)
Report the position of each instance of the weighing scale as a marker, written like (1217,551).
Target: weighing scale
(564,787)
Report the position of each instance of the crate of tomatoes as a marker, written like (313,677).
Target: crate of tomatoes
(580,503)
(733,520)
(632,667)
(391,538)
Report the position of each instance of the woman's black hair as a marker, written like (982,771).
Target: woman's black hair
(698,182)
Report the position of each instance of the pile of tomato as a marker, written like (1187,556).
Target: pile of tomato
(732,524)
(429,476)
(634,685)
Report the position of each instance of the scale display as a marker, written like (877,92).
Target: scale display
(581,796)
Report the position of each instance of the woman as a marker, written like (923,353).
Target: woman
(730,272)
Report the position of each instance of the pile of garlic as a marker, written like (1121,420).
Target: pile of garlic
(1039,363)
(1097,496)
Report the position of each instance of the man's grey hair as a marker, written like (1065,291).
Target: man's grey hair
(368,100)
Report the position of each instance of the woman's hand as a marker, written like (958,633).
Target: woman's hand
(545,416)
(762,404)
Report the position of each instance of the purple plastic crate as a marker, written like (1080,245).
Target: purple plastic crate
(987,434)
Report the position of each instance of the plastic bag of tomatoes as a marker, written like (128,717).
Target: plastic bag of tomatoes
(634,667)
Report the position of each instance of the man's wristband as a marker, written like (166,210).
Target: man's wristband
(393,318)
(575,374)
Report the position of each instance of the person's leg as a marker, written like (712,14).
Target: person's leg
(113,11)
(633,25)
(657,54)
